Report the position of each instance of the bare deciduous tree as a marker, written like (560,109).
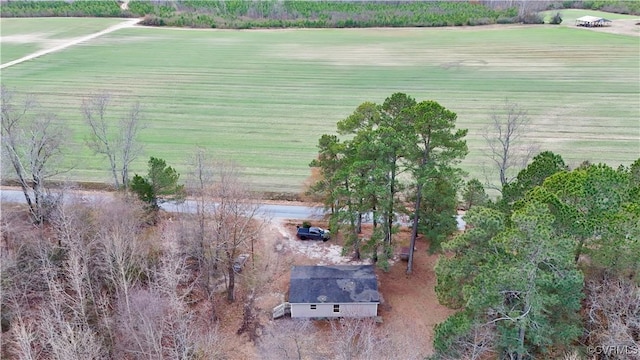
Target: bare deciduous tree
(156,323)
(362,338)
(478,343)
(205,249)
(235,217)
(289,339)
(21,340)
(353,338)
(32,143)
(122,252)
(508,149)
(68,337)
(117,141)
(612,312)
(130,127)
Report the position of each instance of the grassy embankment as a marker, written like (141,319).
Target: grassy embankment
(263,98)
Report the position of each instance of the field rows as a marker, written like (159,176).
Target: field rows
(263,98)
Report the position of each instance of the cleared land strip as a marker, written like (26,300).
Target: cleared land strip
(76,41)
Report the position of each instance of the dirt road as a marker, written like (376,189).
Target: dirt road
(125,24)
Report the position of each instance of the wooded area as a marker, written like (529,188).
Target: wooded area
(239,14)
(531,262)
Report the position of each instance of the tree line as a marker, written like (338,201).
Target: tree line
(99,280)
(236,14)
(532,262)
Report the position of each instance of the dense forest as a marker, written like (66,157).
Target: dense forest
(238,14)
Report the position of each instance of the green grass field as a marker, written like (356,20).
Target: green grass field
(22,37)
(263,98)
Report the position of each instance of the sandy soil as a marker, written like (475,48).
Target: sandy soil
(409,309)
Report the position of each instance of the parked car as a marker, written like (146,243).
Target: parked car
(239,262)
(313,233)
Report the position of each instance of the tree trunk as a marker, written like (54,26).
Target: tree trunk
(414,228)
(521,333)
(125,177)
(579,250)
(114,170)
(390,210)
(356,246)
(232,280)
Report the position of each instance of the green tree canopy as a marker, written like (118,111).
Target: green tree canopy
(474,194)
(161,182)
(596,207)
(360,175)
(543,165)
(521,278)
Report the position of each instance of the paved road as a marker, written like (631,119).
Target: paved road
(266,211)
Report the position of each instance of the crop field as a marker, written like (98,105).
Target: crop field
(263,97)
(22,37)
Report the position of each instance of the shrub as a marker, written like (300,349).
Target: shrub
(506,20)
(531,18)
(306,224)
(556,19)
(480,21)
(152,20)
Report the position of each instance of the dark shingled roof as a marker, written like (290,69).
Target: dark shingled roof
(333,284)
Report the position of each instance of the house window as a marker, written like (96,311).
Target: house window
(336,308)
(313,307)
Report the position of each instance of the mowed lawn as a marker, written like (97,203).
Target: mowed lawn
(263,97)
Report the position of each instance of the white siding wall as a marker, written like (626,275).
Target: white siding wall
(326,310)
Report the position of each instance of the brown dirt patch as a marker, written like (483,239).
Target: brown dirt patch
(410,309)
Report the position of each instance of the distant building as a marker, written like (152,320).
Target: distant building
(592,21)
(333,291)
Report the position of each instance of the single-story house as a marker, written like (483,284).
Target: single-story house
(592,21)
(333,291)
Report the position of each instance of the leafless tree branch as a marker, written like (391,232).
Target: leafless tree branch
(508,149)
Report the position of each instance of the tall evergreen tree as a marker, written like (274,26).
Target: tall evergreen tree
(161,182)
(520,278)
(361,174)
(436,146)
(543,165)
(594,206)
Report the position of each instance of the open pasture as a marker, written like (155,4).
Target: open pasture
(263,97)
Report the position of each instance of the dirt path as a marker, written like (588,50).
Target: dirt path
(125,24)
